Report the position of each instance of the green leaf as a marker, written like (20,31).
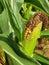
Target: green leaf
(15,59)
(45,5)
(17,3)
(27,11)
(35,3)
(30,43)
(44,33)
(15,21)
(41,58)
(4,22)
(9,51)
(0,30)
(1,8)
(9,60)
(42,5)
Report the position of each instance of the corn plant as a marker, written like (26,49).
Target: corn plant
(19,50)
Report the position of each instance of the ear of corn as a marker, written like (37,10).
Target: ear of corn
(30,43)
(2,57)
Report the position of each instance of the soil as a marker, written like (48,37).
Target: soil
(42,46)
